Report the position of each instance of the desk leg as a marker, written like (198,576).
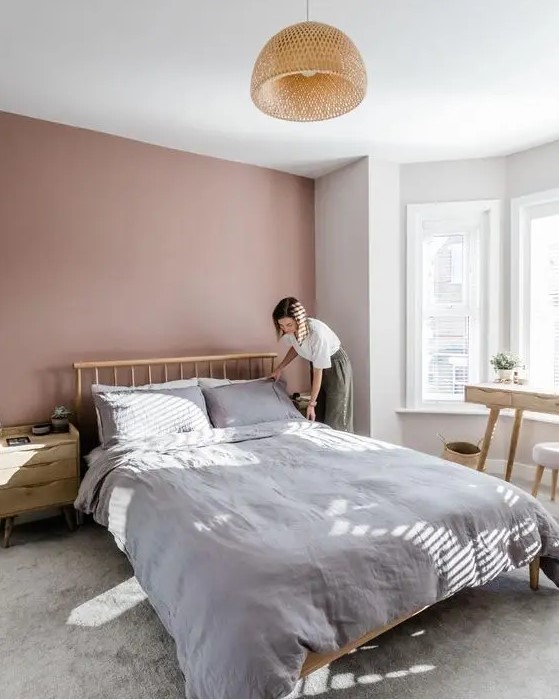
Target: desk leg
(513,442)
(491,422)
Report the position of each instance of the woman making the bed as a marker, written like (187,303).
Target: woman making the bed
(332,380)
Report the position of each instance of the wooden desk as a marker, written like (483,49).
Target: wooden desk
(518,397)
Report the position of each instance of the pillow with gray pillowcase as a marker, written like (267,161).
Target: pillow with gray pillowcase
(259,401)
(138,414)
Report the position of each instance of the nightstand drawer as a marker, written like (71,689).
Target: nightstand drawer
(24,498)
(31,474)
(37,454)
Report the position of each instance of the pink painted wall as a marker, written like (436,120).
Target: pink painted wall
(111,248)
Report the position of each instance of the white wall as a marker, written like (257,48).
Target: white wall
(358,246)
(452,181)
(490,178)
(361,286)
(342,270)
(386,301)
(534,170)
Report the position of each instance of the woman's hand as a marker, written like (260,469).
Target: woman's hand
(276,375)
(311,415)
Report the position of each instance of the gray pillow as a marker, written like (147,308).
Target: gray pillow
(248,403)
(173,384)
(137,414)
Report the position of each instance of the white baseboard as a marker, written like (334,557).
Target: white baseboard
(498,467)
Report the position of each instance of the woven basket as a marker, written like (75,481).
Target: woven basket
(465,453)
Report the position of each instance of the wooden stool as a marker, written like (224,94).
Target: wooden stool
(546,454)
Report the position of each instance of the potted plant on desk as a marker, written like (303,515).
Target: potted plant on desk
(59,419)
(504,364)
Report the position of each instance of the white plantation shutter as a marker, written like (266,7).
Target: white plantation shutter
(451,313)
(542,351)
(448,299)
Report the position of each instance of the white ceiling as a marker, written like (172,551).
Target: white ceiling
(447,78)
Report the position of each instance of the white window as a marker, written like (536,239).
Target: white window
(535,286)
(453,298)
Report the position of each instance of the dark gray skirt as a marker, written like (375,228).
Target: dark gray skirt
(335,399)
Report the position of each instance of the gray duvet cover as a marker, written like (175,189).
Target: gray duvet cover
(256,545)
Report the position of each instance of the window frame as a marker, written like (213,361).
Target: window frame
(521,212)
(488,213)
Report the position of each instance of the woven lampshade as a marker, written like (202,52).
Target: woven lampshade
(308,72)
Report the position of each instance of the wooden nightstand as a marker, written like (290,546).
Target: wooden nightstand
(40,475)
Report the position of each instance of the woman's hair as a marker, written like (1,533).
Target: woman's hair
(292,308)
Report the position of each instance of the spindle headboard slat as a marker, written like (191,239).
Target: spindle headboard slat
(263,361)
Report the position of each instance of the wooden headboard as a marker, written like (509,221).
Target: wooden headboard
(162,369)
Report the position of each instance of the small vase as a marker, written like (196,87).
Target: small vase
(505,375)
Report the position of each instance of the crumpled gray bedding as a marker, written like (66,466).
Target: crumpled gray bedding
(258,544)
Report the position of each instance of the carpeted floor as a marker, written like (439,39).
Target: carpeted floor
(74,624)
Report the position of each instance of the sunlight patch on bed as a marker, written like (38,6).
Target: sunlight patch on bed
(360,530)
(509,496)
(217,521)
(337,507)
(379,531)
(229,455)
(399,531)
(108,605)
(340,527)
(342,442)
(471,563)
(120,500)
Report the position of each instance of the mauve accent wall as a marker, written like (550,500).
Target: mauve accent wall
(115,249)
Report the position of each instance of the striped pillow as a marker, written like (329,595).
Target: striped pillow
(137,414)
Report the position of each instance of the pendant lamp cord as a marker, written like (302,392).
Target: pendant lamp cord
(307,10)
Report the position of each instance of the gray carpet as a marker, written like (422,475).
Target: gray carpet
(74,624)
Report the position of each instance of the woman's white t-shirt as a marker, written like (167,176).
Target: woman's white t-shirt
(319,345)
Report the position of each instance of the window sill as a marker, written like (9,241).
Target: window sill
(459,410)
(465,410)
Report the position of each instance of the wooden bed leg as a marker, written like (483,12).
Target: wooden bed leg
(69,517)
(8,525)
(535,573)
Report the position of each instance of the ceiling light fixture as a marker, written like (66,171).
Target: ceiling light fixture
(308,72)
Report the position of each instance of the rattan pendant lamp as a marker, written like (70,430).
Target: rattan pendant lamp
(308,72)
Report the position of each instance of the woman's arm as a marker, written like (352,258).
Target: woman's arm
(290,355)
(316,384)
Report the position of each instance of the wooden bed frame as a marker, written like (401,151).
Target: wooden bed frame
(245,366)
